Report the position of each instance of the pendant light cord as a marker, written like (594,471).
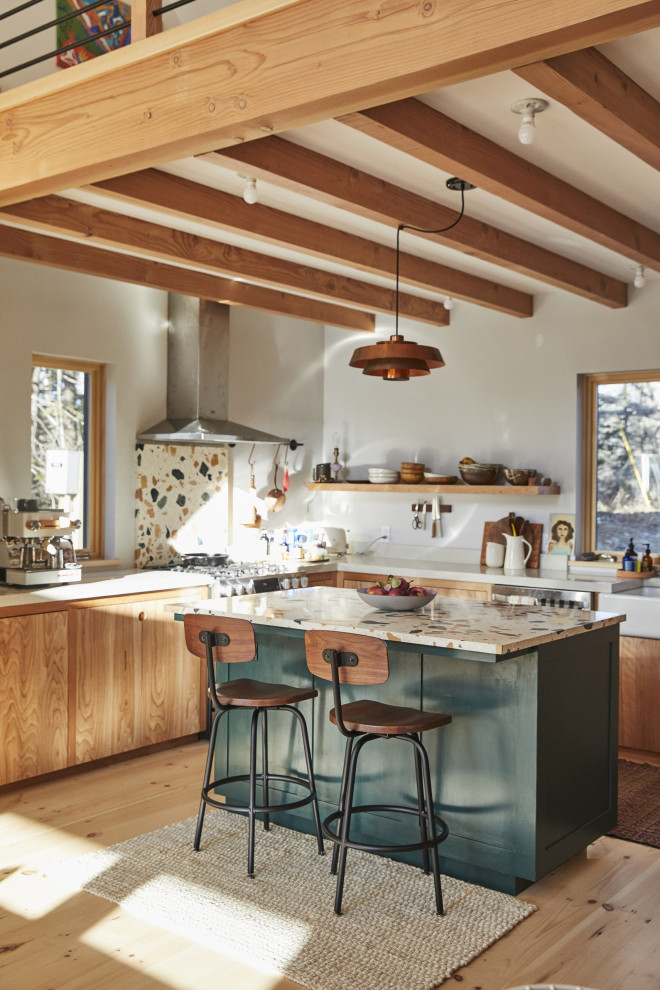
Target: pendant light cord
(420,230)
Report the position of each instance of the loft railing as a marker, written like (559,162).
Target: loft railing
(146,19)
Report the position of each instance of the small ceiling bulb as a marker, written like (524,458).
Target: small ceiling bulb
(528,108)
(640,278)
(448,303)
(250,194)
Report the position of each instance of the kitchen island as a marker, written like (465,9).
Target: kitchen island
(525,775)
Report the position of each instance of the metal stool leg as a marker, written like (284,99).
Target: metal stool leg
(342,799)
(420,804)
(435,864)
(253,790)
(311,778)
(346,820)
(207,777)
(264,765)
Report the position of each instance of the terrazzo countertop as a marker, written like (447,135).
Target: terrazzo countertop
(492,628)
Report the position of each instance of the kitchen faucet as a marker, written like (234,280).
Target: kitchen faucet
(264,536)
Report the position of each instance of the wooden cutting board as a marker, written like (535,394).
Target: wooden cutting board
(531,531)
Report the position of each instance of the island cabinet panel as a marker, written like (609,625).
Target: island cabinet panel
(135,682)
(33,695)
(639,695)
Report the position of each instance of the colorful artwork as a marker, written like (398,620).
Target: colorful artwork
(85,27)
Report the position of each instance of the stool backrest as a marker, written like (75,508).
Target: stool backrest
(232,639)
(362,659)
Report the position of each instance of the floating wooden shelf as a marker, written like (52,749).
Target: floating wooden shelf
(513,491)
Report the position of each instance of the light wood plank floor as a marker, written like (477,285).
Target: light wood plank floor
(598,922)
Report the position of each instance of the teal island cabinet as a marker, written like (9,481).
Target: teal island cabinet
(526,773)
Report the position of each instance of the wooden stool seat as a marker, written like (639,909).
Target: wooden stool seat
(387,720)
(224,639)
(247,693)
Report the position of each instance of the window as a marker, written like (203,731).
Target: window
(621,461)
(68,403)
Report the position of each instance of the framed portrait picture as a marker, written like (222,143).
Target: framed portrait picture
(562,533)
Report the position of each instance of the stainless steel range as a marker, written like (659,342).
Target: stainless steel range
(228,577)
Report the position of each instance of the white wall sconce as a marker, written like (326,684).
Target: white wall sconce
(639,280)
(528,108)
(448,303)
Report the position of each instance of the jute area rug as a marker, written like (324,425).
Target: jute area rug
(639,803)
(282,922)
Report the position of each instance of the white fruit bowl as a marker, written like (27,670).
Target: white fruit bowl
(395,603)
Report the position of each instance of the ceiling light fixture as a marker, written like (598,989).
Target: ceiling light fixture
(528,108)
(448,303)
(250,194)
(397,359)
(639,280)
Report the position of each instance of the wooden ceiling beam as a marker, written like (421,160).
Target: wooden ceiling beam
(604,96)
(28,245)
(430,136)
(260,67)
(310,173)
(179,198)
(66,218)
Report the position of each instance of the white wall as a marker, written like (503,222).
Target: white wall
(508,394)
(47,311)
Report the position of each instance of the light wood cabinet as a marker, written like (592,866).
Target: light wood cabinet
(33,695)
(328,579)
(639,693)
(135,682)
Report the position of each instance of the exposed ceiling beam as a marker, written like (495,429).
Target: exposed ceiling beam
(218,210)
(432,137)
(59,216)
(308,172)
(260,67)
(27,245)
(604,96)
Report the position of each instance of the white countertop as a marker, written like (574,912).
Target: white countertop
(411,567)
(97,585)
(491,628)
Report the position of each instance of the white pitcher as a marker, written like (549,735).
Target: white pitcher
(514,558)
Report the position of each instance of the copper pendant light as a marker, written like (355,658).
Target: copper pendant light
(397,359)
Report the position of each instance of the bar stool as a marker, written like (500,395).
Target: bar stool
(352,658)
(230,640)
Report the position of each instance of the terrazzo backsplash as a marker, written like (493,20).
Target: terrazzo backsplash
(181,501)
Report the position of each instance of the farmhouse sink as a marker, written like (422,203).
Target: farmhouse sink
(641,606)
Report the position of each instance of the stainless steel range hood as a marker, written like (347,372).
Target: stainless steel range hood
(198,380)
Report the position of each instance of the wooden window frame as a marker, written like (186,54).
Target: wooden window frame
(97,373)
(589,389)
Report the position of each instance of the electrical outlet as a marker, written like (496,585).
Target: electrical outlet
(385,534)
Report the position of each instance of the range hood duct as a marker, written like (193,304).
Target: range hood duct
(198,380)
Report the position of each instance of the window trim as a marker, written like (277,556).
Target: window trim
(590,383)
(96,473)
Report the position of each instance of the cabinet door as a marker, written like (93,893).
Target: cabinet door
(639,693)
(327,580)
(173,681)
(457,589)
(108,660)
(33,695)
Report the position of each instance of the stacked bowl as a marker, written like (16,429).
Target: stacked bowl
(412,473)
(383,476)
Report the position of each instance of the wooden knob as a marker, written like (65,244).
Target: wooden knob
(142,616)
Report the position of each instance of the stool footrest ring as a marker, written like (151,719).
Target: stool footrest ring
(367,847)
(259,809)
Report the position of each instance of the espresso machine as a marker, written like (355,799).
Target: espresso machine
(36,545)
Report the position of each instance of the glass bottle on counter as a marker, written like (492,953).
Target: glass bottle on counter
(630,558)
(647,559)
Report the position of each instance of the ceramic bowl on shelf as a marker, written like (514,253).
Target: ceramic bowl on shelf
(412,473)
(395,603)
(518,476)
(383,476)
(473,473)
(440,479)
